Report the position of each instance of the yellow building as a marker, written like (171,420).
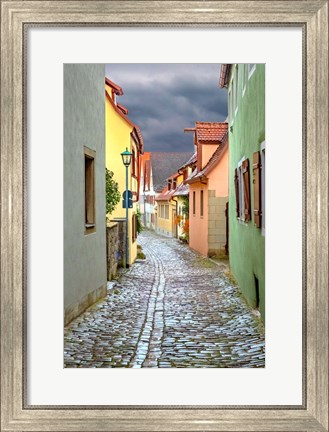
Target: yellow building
(122,134)
(172,219)
(182,196)
(167,207)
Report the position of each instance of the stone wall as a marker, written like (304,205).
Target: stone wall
(112,249)
(216,224)
(115,246)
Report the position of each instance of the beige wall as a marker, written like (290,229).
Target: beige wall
(207,151)
(216,223)
(84,255)
(208,233)
(218,177)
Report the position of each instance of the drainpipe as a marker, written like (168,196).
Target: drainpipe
(175,200)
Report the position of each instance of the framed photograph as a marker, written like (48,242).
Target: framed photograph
(49,51)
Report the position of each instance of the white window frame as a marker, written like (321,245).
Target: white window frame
(236,90)
(241,191)
(244,78)
(230,105)
(251,70)
(263,163)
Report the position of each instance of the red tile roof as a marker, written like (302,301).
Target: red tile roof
(182,190)
(191,161)
(117,89)
(224,75)
(164,164)
(122,108)
(210,132)
(213,161)
(165,195)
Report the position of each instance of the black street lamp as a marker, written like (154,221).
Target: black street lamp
(126,159)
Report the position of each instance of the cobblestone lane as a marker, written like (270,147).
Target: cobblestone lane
(174,309)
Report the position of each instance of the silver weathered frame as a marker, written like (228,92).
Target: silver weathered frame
(312,16)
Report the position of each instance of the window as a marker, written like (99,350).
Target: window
(166,211)
(242,190)
(251,69)
(133,163)
(263,185)
(259,187)
(193,203)
(201,203)
(169,184)
(236,87)
(174,184)
(241,195)
(90,219)
(244,78)
(230,102)
(134,228)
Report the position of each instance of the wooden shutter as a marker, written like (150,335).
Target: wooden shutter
(236,184)
(256,168)
(134,228)
(246,189)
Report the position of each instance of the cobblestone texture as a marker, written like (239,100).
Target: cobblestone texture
(174,309)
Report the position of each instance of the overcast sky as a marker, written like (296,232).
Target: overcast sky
(163,99)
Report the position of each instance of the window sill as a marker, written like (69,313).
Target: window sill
(90,228)
(87,226)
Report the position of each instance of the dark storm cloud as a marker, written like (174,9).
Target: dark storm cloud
(163,99)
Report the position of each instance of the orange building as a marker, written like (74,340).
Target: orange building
(208,193)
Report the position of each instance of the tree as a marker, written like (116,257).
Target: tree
(113,195)
(139,221)
(186,206)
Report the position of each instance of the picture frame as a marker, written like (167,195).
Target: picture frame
(17,16)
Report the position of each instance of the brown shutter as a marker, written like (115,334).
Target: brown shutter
(256,168)
(133,228)
(236,184)
(246,190)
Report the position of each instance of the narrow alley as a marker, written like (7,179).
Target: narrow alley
(173,309)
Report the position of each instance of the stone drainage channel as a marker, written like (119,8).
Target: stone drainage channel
(173,309)
(149,344)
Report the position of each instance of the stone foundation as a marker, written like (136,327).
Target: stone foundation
(75,310)
(112,249)
(216,224)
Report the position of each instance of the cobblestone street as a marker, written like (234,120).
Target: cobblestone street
(173,309)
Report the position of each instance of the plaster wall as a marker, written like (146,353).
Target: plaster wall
(118,138)
(218,177)
(199,224)
(247,243)
(207,151)
(84,255)
(165,226)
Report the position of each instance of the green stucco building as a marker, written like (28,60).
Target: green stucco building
(246,107)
